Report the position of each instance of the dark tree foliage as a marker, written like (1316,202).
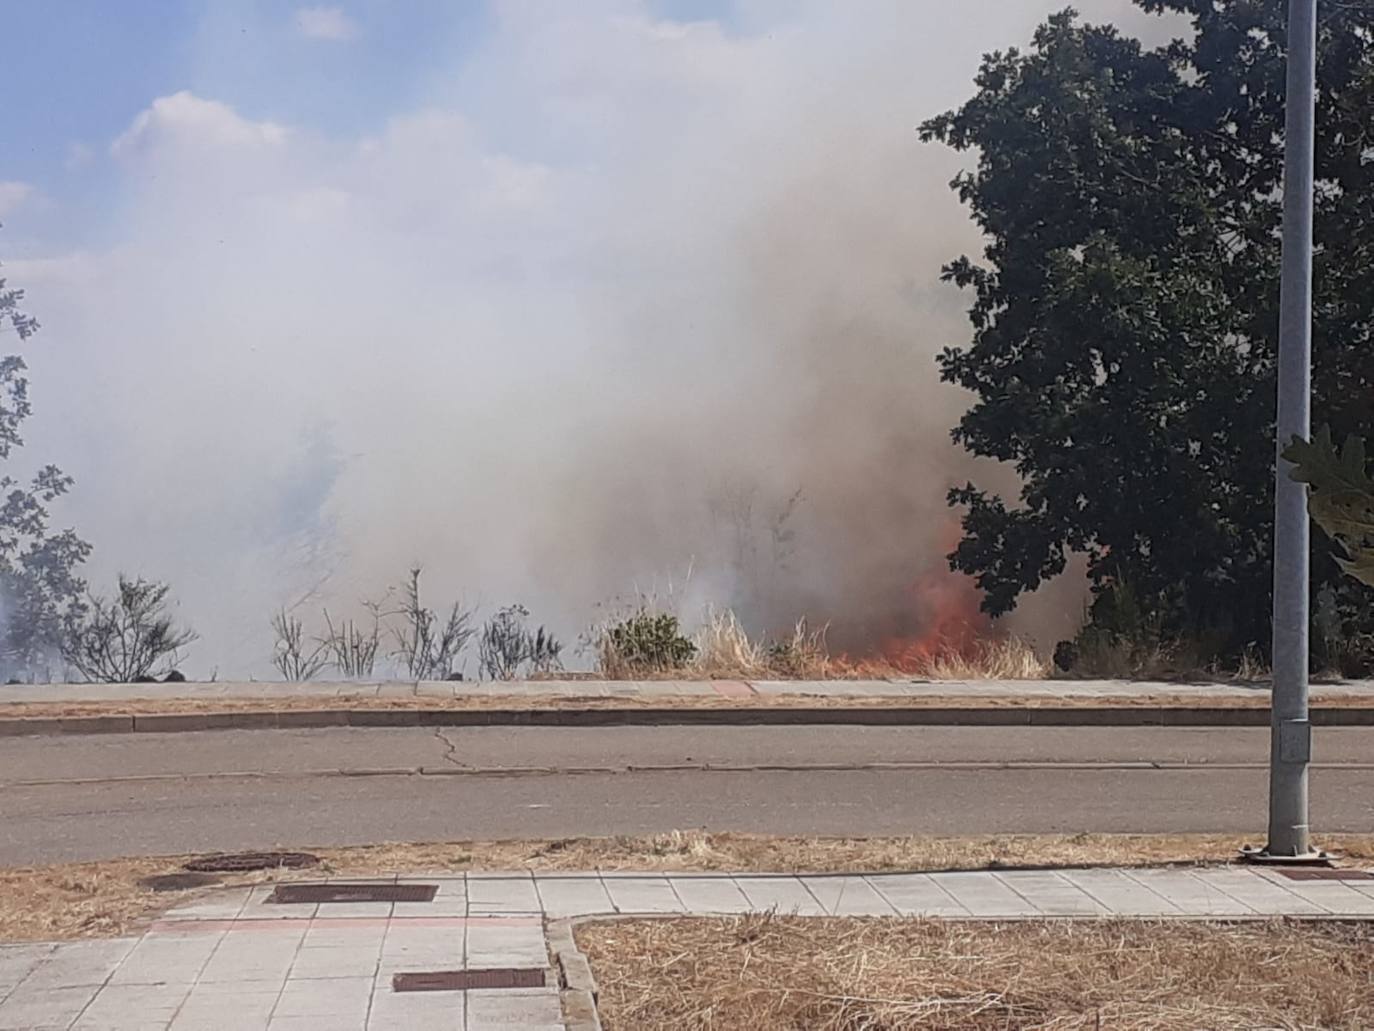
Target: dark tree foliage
(1125,308)
(40,591)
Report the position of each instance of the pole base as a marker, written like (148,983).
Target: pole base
(1262,856)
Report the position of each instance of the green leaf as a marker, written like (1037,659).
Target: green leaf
(1341,496)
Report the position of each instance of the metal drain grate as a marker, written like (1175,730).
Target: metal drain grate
(287,894)
(1298,873)
(466,980)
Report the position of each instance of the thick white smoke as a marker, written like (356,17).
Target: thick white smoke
(587,313)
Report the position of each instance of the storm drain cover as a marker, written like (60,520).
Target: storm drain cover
(298,893)
(235,861)
(466,980)
(1298,873)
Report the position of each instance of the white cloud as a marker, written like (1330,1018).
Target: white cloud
(330,23)
(186,120)
(13,194)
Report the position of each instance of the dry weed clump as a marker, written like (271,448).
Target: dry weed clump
(1007,658)
(759,973)
(724,649)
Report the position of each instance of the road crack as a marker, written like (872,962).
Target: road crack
(450,750)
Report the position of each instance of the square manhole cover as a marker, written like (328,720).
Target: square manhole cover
(287,894)
(465,980)
(1298,873)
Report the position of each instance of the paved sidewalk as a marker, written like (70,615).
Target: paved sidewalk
(659,690)
(232,960)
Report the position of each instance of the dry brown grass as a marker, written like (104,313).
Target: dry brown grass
(1010,658)
(769,973)
(71,900)
(725,649)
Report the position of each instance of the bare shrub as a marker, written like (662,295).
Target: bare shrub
(502,644)
(507,645)
(426,645)
(543,652)
(294,658)
(128,638)
(353,648)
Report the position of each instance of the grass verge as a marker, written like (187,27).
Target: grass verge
(73,900)
(761,973)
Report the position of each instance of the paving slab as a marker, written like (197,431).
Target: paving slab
(1340,898)
(1258,892)
(1118,893)
(573,896)
(507,1011)
(26,1009)
(1192,896)
(502,895)
(849,896)
(18,962)
(983,895)
(166,959)
(505,945)
(643,895)
(345,997)
(1051,894)
(132,1005)
(431,1011)
(79,964)
(237,1005)
(917,895)
(787,895)
(717,894)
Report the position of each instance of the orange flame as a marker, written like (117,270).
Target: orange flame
(944,609)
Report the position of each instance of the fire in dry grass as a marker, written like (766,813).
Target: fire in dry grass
(761,973)
(723,649)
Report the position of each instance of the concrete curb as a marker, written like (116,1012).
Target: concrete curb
(575,974)
(894,716)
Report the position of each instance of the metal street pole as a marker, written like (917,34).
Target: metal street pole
(1291,733)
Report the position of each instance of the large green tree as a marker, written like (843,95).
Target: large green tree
(1125,308)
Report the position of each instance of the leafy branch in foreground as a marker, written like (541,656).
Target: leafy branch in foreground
(1340,497)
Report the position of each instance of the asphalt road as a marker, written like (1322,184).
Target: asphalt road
(104,796)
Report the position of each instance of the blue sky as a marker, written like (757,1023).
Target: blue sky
(85,68)
(78,71)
